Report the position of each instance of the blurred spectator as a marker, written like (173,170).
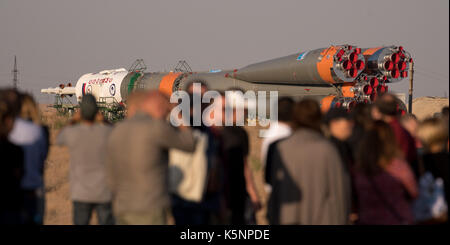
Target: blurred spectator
(87,142)
(445,113)
(138,162)
(280,130)
(30,112)
(133,102)
(76,118)
(384,183)
(362,120)
(196,177)
(235,149)
(433,133)
(33,141)
(340,128)
(445,116)
(386,109)
(277,131)
(11,169)
(410,123)
(309,183)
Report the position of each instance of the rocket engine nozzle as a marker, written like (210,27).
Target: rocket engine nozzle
(404,74)
(388,65)
(374,82)
(348,104)
(395,57)
(346,65)
(352,72)
(363,88)
(381,89)
(395,73)
(401,65)
(353,57)
(360,65)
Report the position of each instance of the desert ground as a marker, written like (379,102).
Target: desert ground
(59,206)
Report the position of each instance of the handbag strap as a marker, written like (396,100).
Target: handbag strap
(385,202)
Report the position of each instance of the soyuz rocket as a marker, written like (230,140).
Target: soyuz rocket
(337,76)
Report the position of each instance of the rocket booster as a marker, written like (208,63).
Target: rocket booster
(391,62)
(332,65)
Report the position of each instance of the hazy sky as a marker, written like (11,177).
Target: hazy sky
(57,40)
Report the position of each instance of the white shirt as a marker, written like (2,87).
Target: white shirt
(275,132)
(24,132)
(31,138)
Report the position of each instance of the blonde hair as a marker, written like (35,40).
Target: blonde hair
(433,132)
(29,110)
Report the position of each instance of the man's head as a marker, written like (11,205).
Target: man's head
(29,110)
(385,107)
(361,115)
(285,109)
(307,114)
(134,102)
(339,123)
(433,132)
(156,104)
(88,108)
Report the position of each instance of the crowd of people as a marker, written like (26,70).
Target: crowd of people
(370,165)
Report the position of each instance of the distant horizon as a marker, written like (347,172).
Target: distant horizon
(59,41)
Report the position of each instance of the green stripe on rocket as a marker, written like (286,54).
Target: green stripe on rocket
(133,81)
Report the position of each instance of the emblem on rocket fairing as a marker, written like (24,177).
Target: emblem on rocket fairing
(112,89)
(89,89)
